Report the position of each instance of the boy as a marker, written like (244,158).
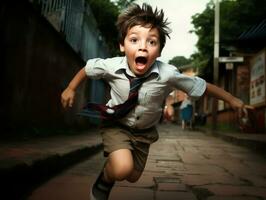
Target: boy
(126,142)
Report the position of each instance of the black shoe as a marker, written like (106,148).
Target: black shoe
(100,190)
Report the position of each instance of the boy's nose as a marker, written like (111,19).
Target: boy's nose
(143,46)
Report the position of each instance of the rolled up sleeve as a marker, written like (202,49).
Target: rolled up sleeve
(193,86)
(95,68)
(198,89)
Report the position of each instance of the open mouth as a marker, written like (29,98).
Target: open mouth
(141,60)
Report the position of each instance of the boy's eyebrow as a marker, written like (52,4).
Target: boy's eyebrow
(154,35)
(150,35)
(130,33)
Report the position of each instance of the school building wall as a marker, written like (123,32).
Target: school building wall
(36,65)
(240,84)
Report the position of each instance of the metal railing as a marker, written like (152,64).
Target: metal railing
(67,17)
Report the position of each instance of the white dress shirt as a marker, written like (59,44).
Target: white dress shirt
(163,78)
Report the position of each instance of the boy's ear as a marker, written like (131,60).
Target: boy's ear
(122,48)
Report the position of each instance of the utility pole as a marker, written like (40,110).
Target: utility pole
(216,60)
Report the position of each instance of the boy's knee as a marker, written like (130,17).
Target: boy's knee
(122,170)
(120,165)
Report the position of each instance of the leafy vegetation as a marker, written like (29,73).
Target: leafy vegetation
(106,13)
(122,4)
(179,61)
(236,16)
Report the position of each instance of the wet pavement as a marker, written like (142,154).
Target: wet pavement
(182,165)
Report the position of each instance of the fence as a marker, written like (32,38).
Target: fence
(75,20)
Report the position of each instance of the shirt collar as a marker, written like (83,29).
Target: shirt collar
(124,66)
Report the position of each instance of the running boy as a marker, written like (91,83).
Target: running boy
(143,33)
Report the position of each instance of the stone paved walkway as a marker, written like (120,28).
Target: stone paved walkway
(182,165)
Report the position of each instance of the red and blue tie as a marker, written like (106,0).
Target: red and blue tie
(105,112)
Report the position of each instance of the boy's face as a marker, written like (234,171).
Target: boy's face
(141,47)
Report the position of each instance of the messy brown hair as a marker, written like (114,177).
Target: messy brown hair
(143,16)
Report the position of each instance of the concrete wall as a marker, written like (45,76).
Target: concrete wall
(36,65)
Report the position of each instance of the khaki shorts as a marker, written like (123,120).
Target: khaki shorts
(115,138)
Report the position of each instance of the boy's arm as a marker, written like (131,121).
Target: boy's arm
(234,102)
(168,108)
(68,95)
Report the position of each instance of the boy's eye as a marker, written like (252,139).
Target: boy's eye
(133,40)
(152,42)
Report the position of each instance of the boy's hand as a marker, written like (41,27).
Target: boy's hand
(169,112)
(67,97)
(240,107)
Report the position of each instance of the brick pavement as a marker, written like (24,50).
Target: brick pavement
(190,165)
(181,165)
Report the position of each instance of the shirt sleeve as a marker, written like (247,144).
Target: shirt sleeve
(193,86)
(95,68)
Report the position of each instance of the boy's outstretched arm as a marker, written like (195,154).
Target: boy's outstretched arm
(233,101)
(68,95)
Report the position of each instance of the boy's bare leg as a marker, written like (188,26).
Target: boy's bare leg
(134,176)
(119,166)
(121,169)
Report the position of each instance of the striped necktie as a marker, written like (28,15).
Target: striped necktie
(105,112)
